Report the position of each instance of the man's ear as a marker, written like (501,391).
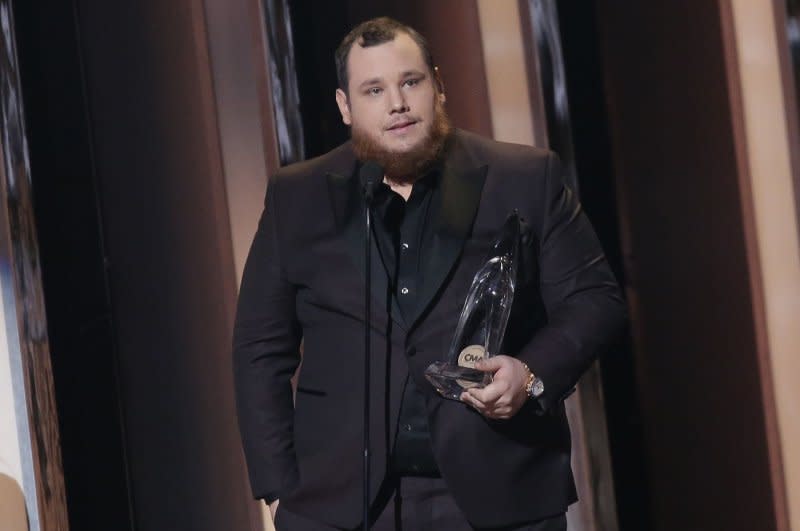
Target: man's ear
(437,77)
(344,106)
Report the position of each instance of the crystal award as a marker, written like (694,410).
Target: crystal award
(483,319)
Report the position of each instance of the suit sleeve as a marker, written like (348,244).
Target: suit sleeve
(266,342)
(585,308)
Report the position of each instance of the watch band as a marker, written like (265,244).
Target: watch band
(534,387)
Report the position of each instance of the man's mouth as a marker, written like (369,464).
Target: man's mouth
(401,126)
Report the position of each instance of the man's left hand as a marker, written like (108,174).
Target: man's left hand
(502,398)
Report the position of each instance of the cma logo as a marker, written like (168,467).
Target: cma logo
(471,355)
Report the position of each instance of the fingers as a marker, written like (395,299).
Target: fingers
(499,366)
(499,399)
(495,397)
(492,364)
(497,410)
(491,393)
(474,402)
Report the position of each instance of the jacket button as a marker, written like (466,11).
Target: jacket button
(411,351)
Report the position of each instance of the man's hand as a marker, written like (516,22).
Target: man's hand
(502,398)
(273,507)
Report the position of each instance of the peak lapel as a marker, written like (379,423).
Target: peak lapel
(460,196)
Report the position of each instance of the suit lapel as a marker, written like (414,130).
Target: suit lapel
(461,188)
(348,208)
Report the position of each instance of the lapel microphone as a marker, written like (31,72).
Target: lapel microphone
(370,175)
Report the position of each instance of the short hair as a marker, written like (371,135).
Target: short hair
(372,33)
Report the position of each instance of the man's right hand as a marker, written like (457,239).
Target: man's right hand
(273,507)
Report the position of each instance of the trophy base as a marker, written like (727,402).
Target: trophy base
(451,380)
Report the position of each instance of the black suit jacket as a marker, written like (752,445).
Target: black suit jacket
(304,281)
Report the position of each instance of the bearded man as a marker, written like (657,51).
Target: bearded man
(499,458)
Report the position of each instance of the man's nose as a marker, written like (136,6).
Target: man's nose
(397,101)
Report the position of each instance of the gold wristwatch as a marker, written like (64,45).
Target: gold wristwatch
(534,387)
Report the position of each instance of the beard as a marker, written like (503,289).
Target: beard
(404,167)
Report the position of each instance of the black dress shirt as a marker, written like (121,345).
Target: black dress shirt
(401,230)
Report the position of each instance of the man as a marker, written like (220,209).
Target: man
(499,458)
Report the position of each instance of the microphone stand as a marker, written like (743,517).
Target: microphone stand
(368,195)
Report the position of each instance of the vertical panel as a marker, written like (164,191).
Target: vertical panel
(12,394)
(171,269)
(285,95)
(506,78)
(687,263)
(240,61)
(774,243)
(544,37)
(237,64)
(23,307)
(80,322)
(787,22)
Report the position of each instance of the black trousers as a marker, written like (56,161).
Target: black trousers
(415,504)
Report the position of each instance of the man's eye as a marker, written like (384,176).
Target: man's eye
(374,91)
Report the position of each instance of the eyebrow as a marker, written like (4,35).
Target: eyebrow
(370,81)
(377,80)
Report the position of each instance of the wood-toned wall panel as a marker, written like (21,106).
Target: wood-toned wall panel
(763,130)
(687,261)
(171,269)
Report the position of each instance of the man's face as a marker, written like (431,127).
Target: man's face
(393,98)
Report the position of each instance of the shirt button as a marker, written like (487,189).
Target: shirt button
(404,246)
(404,291)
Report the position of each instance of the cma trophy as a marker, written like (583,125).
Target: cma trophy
(483,319)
